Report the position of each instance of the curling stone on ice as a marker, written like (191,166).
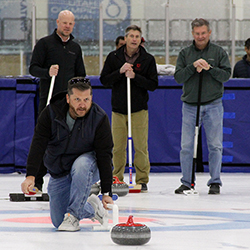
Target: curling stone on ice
(130,233)
(118,187)
(95,189)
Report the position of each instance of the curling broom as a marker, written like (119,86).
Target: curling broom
(34,194)
(192,191)
(137,187)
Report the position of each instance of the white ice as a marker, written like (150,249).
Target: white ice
(195,222)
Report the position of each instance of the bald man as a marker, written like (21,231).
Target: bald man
(56,55)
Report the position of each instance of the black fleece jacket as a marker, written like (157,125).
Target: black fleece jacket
(146,78)
(51,50)
(60,146)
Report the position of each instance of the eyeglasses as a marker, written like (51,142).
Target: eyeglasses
(83,80)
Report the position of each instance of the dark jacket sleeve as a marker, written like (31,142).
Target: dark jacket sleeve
(222,72)
(37,61)
(110,74)
(103,145)
(183,70)
(80,68)
(39,143)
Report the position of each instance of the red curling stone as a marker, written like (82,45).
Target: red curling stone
(120,188)
(130,233)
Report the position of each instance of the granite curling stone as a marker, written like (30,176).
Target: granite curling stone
(95,189)
(118,187)
(130,233)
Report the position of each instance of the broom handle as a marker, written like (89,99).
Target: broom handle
(129,130)
(197,115)
(52,83)
(196,134)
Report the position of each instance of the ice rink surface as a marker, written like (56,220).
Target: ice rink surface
(197,222)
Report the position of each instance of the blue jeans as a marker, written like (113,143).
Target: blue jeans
(211,116)
(69,194)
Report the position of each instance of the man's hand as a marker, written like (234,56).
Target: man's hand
(200,65)
(53,70)
(126,67)
(28,184)
(130,74)
(106,199)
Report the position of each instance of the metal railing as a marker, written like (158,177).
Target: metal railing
(154,31)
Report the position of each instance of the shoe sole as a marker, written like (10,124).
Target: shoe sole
(68,229)
(181,192)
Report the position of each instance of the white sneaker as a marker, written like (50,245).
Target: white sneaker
(100,212)
(70,223)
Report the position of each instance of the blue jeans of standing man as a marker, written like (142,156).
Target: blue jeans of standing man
(211,116)
(69,194)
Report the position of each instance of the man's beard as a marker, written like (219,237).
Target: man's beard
(74,112)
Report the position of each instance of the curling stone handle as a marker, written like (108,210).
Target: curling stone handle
(115,209)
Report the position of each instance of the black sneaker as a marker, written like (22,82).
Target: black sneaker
(182,188)
(144,188)
(214,189)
